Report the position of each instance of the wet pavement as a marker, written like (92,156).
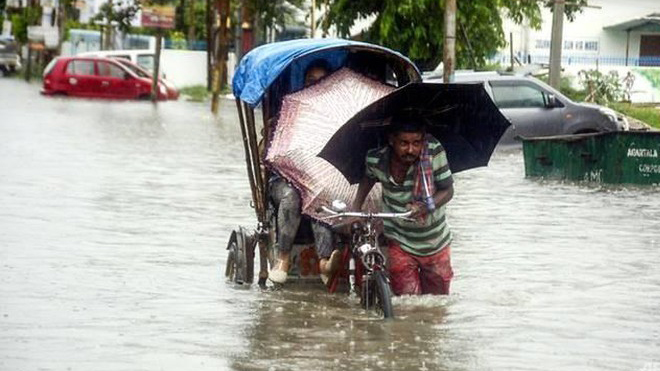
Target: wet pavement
(113,228)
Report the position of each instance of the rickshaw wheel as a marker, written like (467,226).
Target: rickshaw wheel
(240,258)
(377,295)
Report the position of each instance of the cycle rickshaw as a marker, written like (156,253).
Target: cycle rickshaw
(263,77)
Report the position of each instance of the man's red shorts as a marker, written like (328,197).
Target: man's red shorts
(415,275)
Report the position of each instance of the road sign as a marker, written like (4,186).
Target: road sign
(159,16)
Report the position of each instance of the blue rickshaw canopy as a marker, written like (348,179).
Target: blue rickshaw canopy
(259,68)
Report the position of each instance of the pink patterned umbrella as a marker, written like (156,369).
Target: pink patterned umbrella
(308,119)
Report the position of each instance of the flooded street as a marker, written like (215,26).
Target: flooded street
(115,216)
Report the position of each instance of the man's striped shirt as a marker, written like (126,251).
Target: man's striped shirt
(420,238)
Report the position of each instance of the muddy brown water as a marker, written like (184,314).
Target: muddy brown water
(114,218)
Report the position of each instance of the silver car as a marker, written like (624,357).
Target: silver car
(10,62)
(535,109)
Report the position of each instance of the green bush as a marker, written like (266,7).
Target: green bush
(601,88)
(196,93)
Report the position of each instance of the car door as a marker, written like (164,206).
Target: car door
(79,78)
(114,81)
(528,107)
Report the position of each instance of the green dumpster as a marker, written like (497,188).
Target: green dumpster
(626,157)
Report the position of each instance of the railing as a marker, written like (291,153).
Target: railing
(184,44)
(568,60)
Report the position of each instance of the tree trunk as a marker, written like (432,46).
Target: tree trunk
(221,53)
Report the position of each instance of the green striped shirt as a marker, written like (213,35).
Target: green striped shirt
(420,238)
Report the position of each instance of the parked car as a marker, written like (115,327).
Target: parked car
(172,91)
(142,57)
(535,109)
(96,77)
(10,62)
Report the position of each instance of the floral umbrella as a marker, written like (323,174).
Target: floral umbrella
(308,119)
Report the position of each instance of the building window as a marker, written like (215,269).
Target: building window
(568,45)
(542,44)
(591,45)
(579,45)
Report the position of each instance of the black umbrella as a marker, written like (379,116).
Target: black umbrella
(462,117)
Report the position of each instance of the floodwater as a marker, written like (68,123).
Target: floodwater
(114,220)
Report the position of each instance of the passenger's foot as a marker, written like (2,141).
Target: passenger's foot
(329,266)
(279,272)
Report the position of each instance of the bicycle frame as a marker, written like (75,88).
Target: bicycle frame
(363,246)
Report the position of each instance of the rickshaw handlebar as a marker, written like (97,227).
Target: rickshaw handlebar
(360,214)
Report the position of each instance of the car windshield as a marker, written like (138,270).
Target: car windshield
(50,66)
(146,61)
(136,70)
(517,96)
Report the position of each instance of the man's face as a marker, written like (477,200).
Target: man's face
(407,146)
(314,74)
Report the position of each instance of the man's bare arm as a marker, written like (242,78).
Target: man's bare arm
(366,184)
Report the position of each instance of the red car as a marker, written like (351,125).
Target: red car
(96,77)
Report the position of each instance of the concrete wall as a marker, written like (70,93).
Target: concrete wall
(188,67)
(184,67)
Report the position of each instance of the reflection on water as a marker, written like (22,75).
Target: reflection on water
(115,217)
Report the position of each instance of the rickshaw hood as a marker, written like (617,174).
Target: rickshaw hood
(259,68)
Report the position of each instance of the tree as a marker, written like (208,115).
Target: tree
(415,27)
(271,13)
(120,12)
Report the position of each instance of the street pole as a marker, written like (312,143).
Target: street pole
(556,43)
(61,7)
(449,47)
(313,20)
(209,48)
(154,83)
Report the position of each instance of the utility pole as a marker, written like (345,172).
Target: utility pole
(449,45)
(61,16)
(209,48)
(313,20)
(154,82)
(556,43)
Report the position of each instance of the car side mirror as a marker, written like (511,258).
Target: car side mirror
(550,101)
(127,76)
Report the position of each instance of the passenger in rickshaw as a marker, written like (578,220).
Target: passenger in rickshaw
(288,203)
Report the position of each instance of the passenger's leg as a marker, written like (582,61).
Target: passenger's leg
(288,220)
(404,271)
(436,273)
(322,239)
(329,259)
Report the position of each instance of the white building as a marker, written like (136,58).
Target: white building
(610,31)
(608,35)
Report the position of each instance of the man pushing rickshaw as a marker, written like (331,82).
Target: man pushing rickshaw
(366,118)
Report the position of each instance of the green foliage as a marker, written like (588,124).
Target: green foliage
(647,114)
(30,15)
(571,7)
(120,12)
(198,9)
(601,88)
(416,27)
(272,13)
(178,40)
(195,93)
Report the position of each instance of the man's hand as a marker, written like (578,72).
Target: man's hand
(418,209)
